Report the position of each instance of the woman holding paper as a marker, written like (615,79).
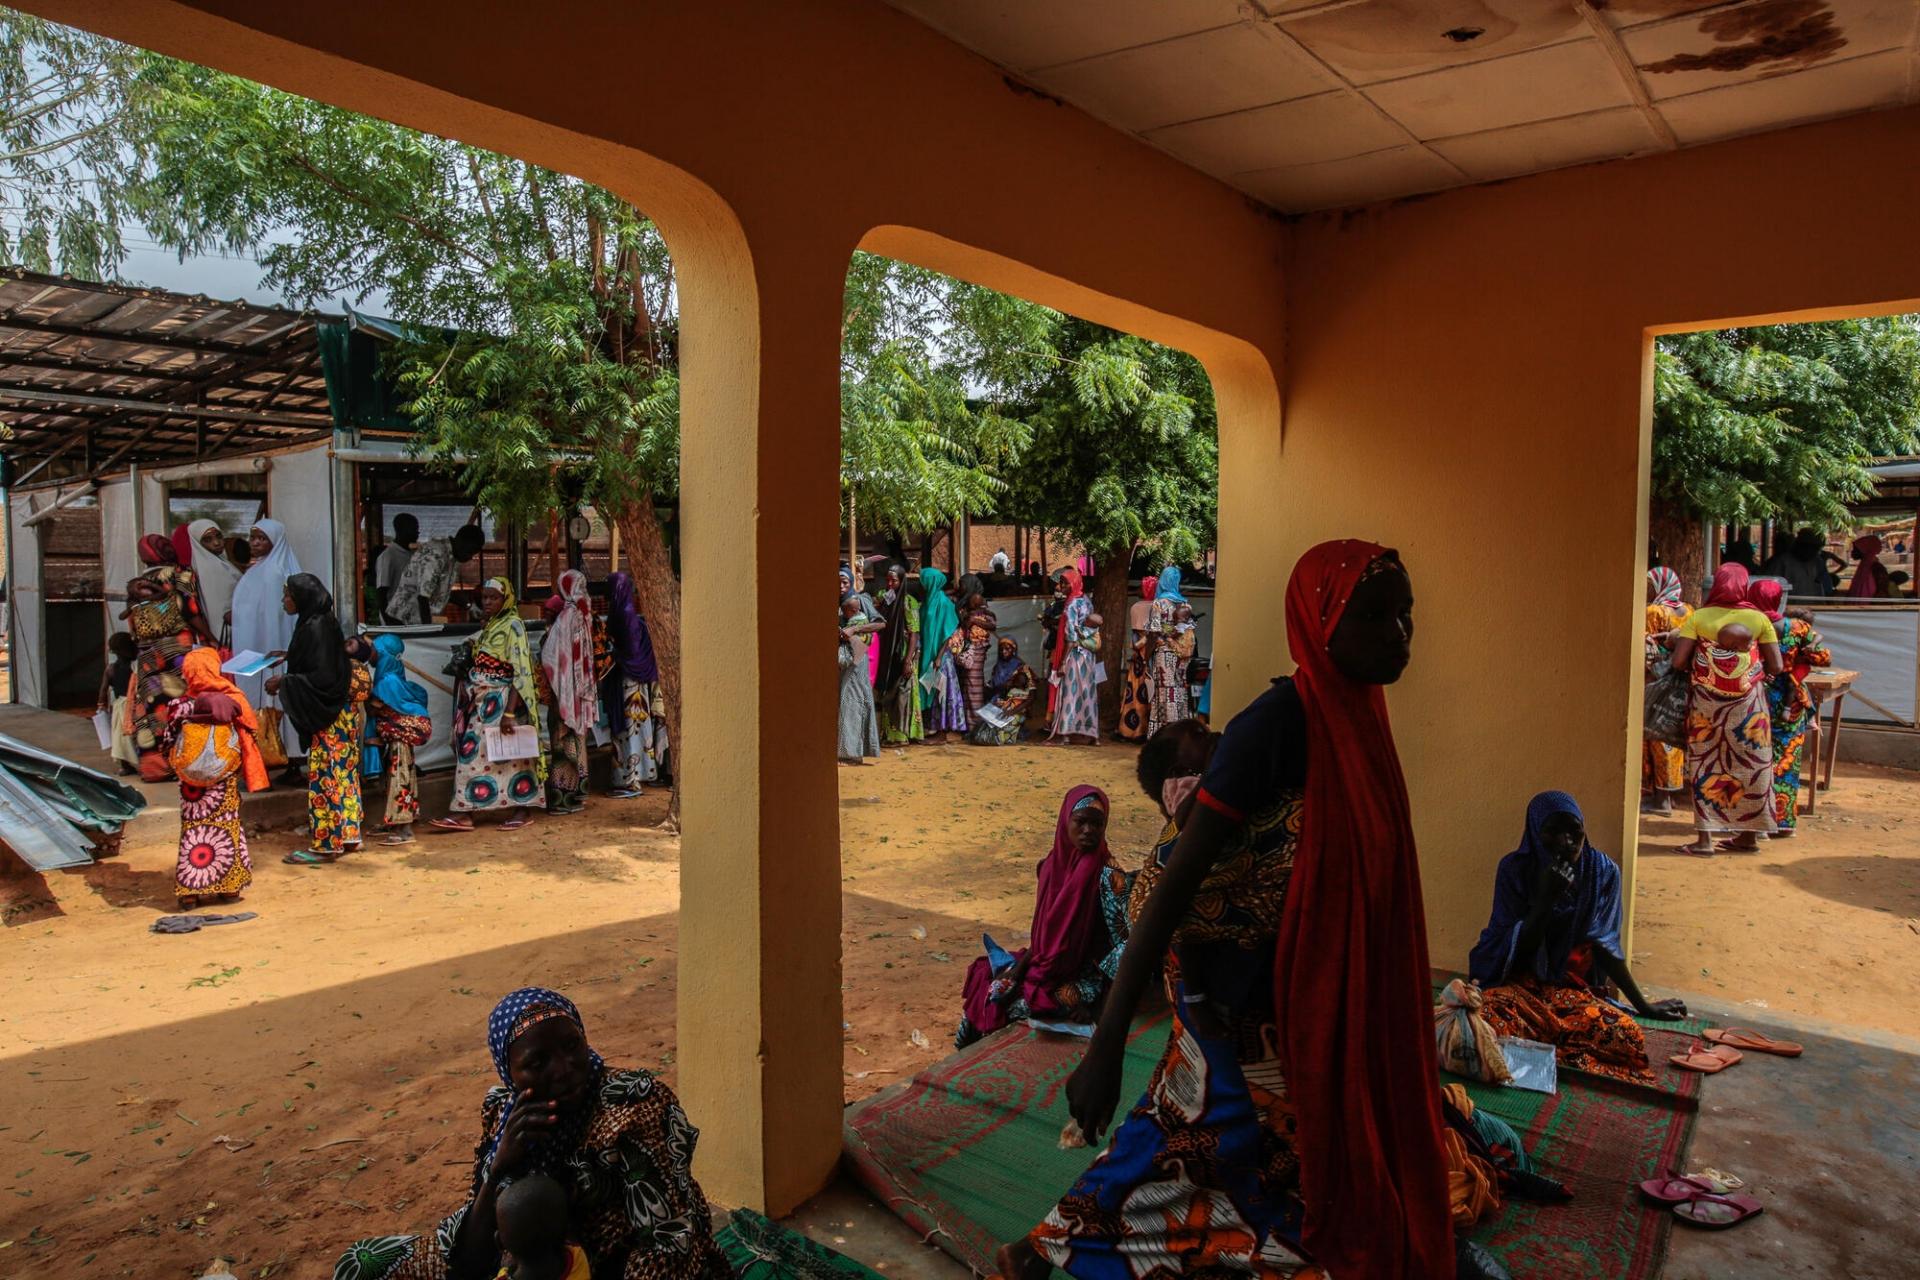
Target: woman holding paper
(323,692)
(499,761)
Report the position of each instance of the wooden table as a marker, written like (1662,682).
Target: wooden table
(1825,684)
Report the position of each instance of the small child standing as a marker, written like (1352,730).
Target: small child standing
(113,699)
(530,1226)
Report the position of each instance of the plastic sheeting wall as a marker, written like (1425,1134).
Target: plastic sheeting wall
(119,552)
(1883,645)
(27,621)
(300,496)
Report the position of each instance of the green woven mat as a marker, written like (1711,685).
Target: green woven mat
(967,1152)
(758,1249)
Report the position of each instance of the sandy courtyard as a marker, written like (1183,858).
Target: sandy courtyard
(264,1092)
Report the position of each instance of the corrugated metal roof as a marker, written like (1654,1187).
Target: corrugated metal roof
(94,376)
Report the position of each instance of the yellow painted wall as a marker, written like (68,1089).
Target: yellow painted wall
(1465,378)
(1484,357)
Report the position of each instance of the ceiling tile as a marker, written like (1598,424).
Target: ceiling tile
(1860,84)
(1636,13)
(1731,46)
(1209,74)
(1387,39)
(1565,80)
(1550,144)
(1328,126)
(1355,180)
(1022,34)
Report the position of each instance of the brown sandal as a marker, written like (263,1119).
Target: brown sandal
(1737,1038)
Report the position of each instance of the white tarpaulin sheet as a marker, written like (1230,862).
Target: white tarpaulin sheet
(300,496)
(119,549)
(1879,643)
(26,650)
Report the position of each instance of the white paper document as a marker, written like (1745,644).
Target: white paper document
(520,743)
(249,662)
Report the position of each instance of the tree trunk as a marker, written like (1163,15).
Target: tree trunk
(1110,602)
(1675,533)
(659,591)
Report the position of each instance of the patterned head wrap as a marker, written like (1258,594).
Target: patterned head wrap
(512,1018)
(1666,586)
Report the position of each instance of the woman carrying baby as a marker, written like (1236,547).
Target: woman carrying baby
(1729,650)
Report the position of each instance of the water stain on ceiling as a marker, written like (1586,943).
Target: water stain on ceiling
(1782,34)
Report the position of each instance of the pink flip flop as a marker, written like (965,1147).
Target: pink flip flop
(1741,1038)
(1676,1188)
(1718,1212)
(1706,1061)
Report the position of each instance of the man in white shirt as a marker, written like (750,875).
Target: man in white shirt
(392,563)
(1001,562)
(422,592)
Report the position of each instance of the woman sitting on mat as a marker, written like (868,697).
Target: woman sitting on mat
(615,1140)
(1079,929)
(1552,949)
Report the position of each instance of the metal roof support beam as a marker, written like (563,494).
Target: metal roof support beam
(286,418)
(137,338)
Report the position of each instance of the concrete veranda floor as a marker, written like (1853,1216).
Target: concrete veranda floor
(1829,1143)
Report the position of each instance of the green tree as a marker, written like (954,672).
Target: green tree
(65,165)
(1778,423)
(1125,458)
(539,308)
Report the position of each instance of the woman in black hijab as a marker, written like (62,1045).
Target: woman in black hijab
(318,694)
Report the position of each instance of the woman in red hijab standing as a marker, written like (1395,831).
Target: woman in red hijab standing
(1288,922)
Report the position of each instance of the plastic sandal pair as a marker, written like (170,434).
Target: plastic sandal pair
(1700,1201)
(1706,1059)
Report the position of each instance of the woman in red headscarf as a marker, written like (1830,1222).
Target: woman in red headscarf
(1302,1059)
(1729,649)
(1072,587)
(1871,580)
(163,612)
(1079,927)
(1136,694)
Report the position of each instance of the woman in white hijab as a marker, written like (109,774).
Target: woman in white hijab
(215,572)
(260,618)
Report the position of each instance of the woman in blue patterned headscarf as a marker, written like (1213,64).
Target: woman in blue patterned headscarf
(615,1140)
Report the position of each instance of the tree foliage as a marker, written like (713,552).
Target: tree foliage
(66,165)
(1780,422)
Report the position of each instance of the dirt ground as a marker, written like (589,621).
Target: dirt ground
(1825,924)
(263,1092)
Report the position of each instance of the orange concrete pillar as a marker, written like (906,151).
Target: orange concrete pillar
(759,998)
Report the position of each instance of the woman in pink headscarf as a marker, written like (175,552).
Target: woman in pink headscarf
(566,662)
(1079,928)
(1729,649)
(1870,578)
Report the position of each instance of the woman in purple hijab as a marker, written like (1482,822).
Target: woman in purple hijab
(632,694)
(1079,929)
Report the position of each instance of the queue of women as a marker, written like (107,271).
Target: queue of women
(923,662)
(353,710)
(1744,657)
